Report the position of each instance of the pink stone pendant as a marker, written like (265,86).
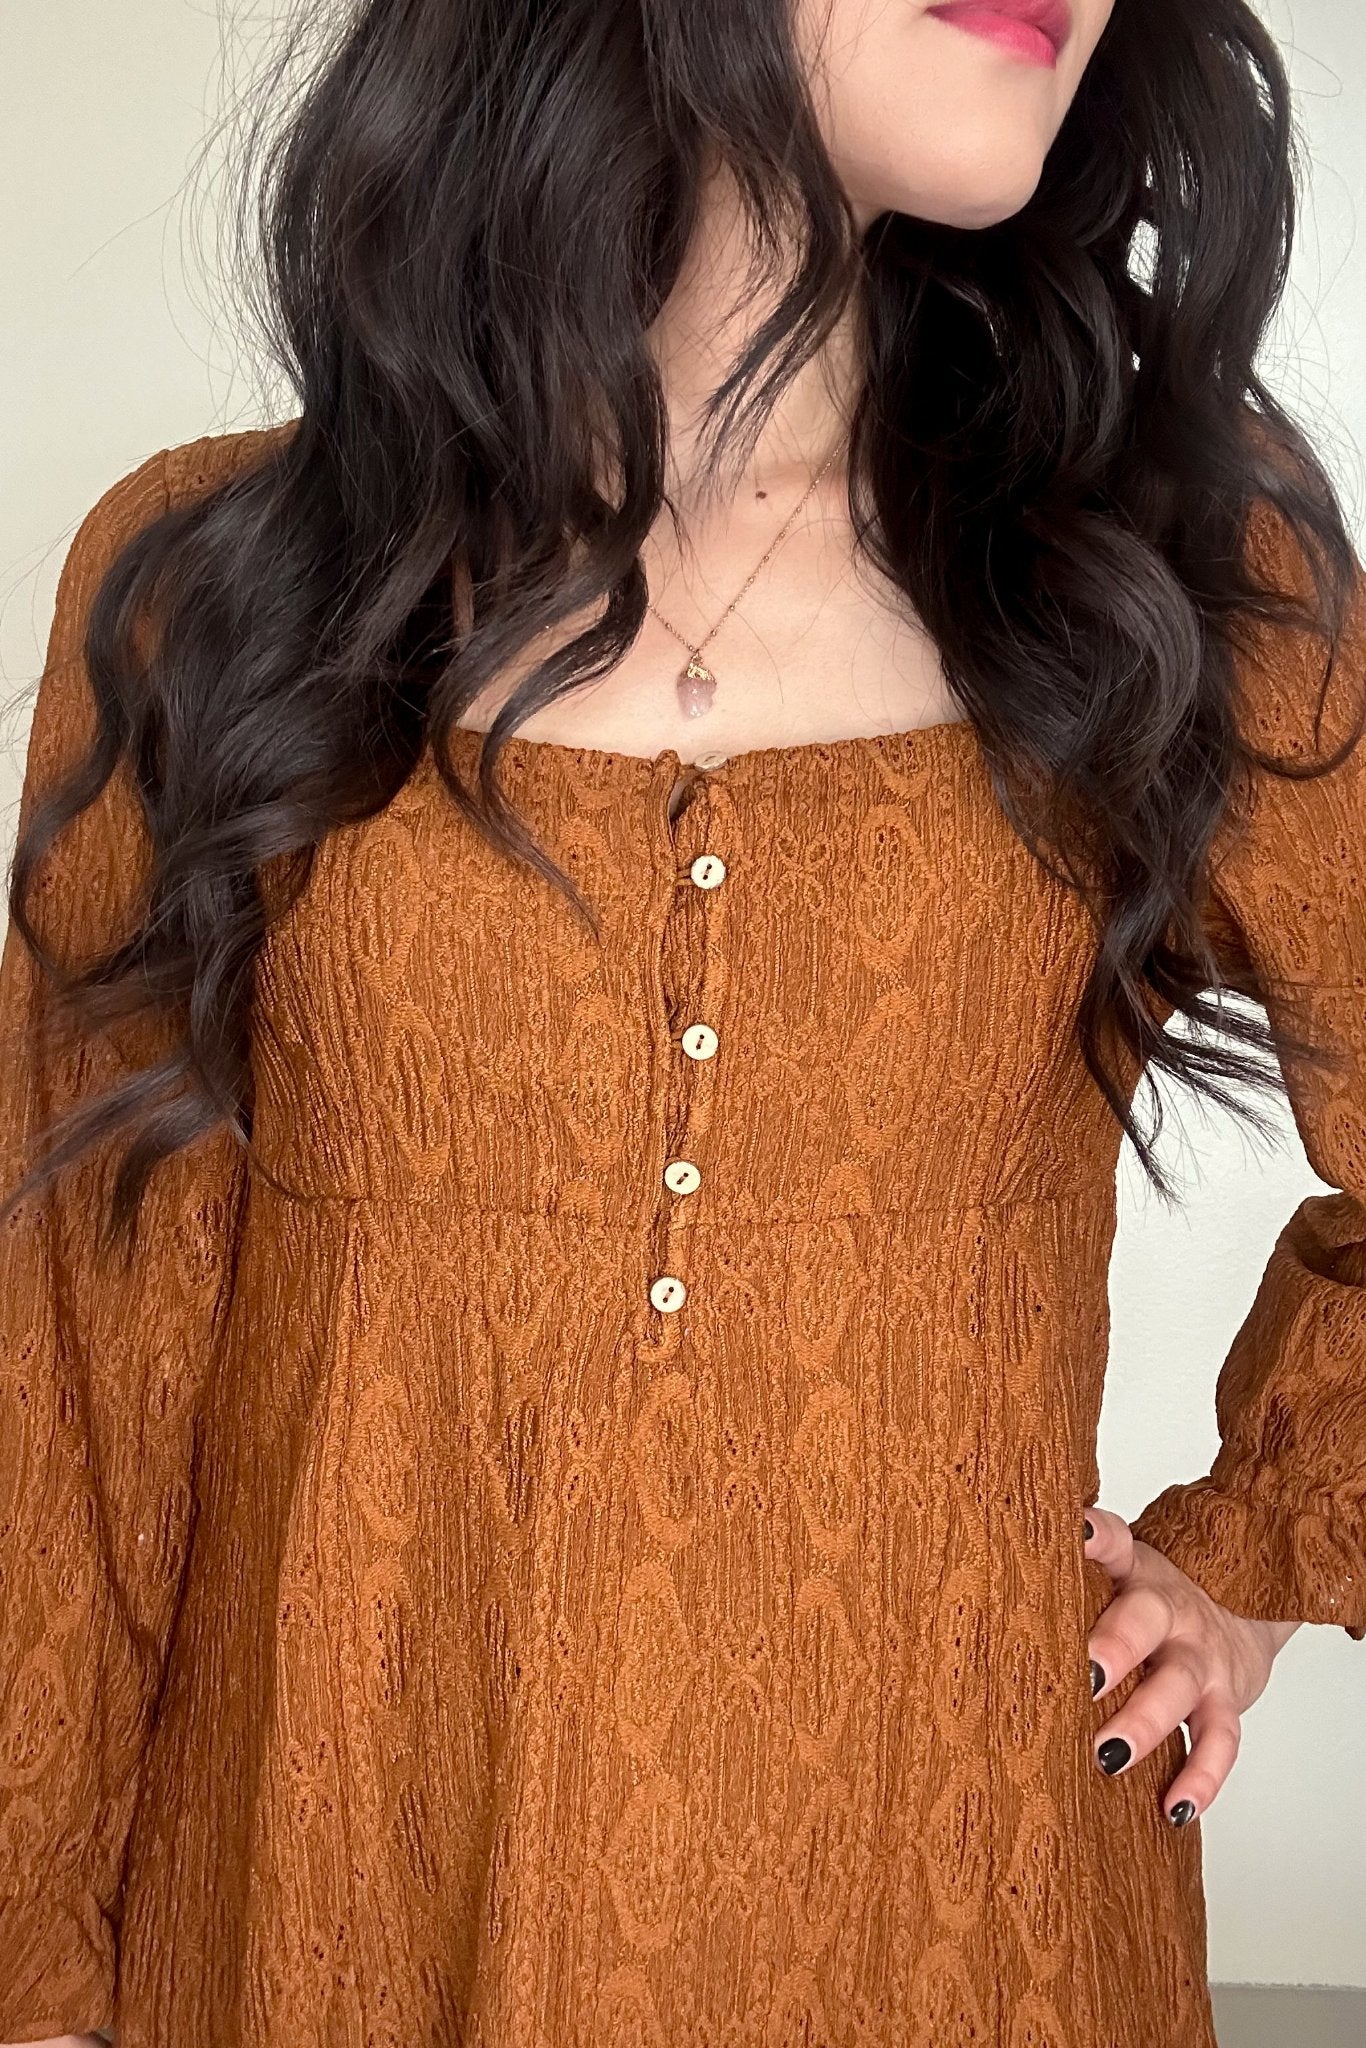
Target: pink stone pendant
(696,688)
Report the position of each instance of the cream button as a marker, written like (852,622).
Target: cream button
(700,1041)
(708,870)
(711,760)
(668,1293)
(681,1176)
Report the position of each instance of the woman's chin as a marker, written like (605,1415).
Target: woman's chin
(963,146)
(995,194)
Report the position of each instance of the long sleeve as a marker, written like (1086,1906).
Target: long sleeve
(100,1370)
(1277,1529)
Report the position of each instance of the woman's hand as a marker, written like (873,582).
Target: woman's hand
(1205,1666)
(70,2041)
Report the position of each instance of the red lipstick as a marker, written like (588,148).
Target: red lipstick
(1035,30)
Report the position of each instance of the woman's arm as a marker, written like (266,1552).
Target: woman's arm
(1216,1574)
(100,1369)
(1277,1529)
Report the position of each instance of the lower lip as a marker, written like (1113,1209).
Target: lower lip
(1007,31)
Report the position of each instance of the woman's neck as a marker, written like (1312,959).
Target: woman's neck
(716,305)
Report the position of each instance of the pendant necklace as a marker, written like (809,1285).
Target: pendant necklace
(696,684)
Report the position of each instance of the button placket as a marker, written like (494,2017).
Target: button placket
(693,975)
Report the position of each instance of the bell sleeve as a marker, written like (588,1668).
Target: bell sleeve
(1277,1529)
(101,1365)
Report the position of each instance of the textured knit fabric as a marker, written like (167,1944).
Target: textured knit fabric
(415,1636)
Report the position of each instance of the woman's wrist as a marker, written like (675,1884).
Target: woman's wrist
(1279,1632)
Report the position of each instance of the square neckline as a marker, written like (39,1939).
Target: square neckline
(745,761)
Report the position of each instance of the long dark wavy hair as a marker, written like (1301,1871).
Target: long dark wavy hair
(470,212)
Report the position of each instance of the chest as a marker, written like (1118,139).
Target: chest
(818,649)
(888,982)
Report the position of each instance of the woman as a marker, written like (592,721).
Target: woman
(576,1522)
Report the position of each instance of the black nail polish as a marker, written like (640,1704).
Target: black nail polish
(1097,1678)
(1089,1531)
(1181,1812)
(1113,1755)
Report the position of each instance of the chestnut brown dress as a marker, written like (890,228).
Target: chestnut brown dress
(578,1543)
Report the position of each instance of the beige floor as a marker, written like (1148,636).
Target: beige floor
(1275,2016)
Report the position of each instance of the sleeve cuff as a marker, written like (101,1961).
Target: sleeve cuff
(57,1968)
(1267,1560)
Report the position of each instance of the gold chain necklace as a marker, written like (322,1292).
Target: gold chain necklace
(696,684)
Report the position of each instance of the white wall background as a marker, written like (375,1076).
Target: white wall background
(112,346)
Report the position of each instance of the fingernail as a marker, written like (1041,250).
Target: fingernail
(1113,1755)
(1097,1678)
(1181,1812)
(1090,1532)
